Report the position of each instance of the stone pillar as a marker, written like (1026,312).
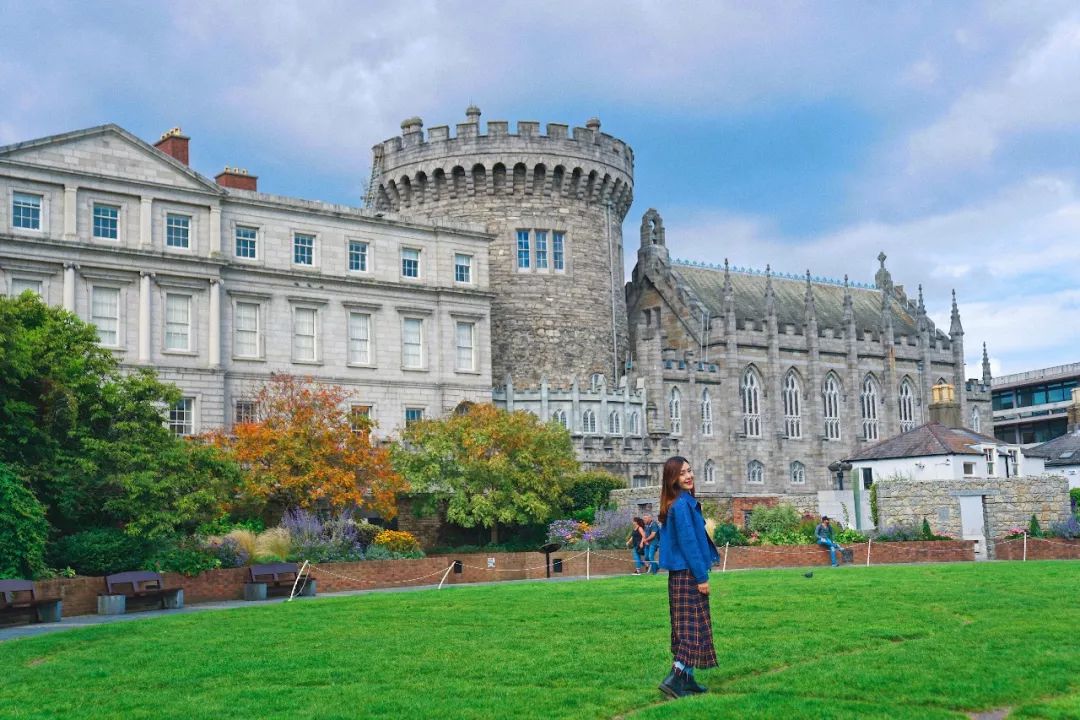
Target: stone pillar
(215,324)
(69,286)
(215,230)
(71,199)
(145,209)
(144,317)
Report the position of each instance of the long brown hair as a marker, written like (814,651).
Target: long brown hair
(669,486)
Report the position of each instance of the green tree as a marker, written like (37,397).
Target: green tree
(589,491)
(489,466)
(23,529)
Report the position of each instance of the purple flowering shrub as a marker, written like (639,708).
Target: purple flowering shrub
(334,539)
(1069,529)
(609,530)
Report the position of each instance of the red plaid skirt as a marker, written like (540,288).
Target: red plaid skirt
(691,623)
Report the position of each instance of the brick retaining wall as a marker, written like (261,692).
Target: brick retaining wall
(1038,549)
(768,556)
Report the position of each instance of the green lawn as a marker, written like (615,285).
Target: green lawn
(919,643)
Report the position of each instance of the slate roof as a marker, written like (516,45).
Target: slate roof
(932,438)
(1064,450)
(707,283)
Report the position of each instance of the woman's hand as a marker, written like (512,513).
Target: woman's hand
(703,588)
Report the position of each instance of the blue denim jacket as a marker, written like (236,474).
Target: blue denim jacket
(683,541)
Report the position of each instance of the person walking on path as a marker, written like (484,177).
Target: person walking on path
(824,534)
(688,555)
(652,543)
(636,542)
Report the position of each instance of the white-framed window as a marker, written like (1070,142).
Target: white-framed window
(413,415)
(559,416)
(247,242)
(588,422)
(358,414)
(907,406)
(990,454)
(798,473)
(524,256)
(177,231)
(540,244)
(465,346)
(26,211)
(358,256)
(410,262)
(305,334)
(969,469)
(359,338)
(675,410)
(755,473)
(792,406)
(412,343)
(247,330)
(615,422)
(976,420)
(303,249)
(20,285)
(635,423)
(182,417)
(106,221)
(750,392)
(558,250)
(710,472)
(830,394)
(105,314)
(462,268)
(868,402)
(706,413)
(244,412)
(177,322)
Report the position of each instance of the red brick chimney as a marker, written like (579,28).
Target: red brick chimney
(237,178)
(174,143)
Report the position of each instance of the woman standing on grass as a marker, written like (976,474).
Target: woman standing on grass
(688,555)
(636,542)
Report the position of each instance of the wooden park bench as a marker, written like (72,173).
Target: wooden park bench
(139,585)
(17,597)
(279,576)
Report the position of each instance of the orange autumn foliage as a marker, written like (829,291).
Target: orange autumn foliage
(303,451)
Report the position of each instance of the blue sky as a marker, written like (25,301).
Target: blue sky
(805,135)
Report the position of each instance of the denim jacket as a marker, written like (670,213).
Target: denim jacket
(686,545)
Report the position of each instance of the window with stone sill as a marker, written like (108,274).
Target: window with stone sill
(106,224)
(178,231)
(358,256)
(410,263)
(26,211)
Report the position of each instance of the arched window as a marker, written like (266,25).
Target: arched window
(976,421)
(751,403)
(635,423)
(710,472)
(830,394)
(706,413)
(907,406)
(588,422)
(792,406)
(755,473)
(675,411)
(614,422)
(559,416)
(798,473)
(869,403)
(596,382)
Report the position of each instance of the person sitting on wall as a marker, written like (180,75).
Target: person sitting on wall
(824,534)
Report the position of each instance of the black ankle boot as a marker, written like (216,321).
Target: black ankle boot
(693,686)
(674,685)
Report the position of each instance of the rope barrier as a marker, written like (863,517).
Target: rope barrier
(317,568)
(517,570)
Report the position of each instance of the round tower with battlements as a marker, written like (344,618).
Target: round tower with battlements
(555,202)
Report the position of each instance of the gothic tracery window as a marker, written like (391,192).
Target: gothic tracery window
(588,422)
(831,397)
(615,422)
(792,406)
(706,413)
(976,421)
(869,403)
(675,411)
(798,473)
(751,403)
(710,472)
(755,473)
(907,406)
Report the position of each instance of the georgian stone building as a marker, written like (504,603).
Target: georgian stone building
(217,285)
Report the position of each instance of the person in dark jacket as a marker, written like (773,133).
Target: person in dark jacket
(636,542)
(824,534)
(687,556)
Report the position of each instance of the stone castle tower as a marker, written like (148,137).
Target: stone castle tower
(555,203)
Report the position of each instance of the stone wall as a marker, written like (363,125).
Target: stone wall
(1008,502)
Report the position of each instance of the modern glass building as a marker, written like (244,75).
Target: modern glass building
(1032,407)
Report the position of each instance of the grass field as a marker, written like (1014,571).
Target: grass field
(903,643)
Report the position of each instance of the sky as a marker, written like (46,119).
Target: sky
(803,135)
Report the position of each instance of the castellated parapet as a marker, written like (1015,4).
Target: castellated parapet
(555,202)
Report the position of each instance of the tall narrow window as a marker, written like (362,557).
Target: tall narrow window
(465,358)
(26,211)
(675,410)
(559,416)
(751,403)
(523,256)
(305,337)
(247,239)
(246,341)
(541,249)
(178,231)
(798,473)
(358,256)
(831,401)
(359,418)
(976,421)
(635,423)
(907,406)
(869,402)
(755,473)
(706,413)
(412,343)
(303,249)
(462,268)
(245,411)
(177,322)
(106,221)
(359,338)
(182,417)
(558,250)
(105,314)
(588,422)
(410,263)
(792,406)
(710,472)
